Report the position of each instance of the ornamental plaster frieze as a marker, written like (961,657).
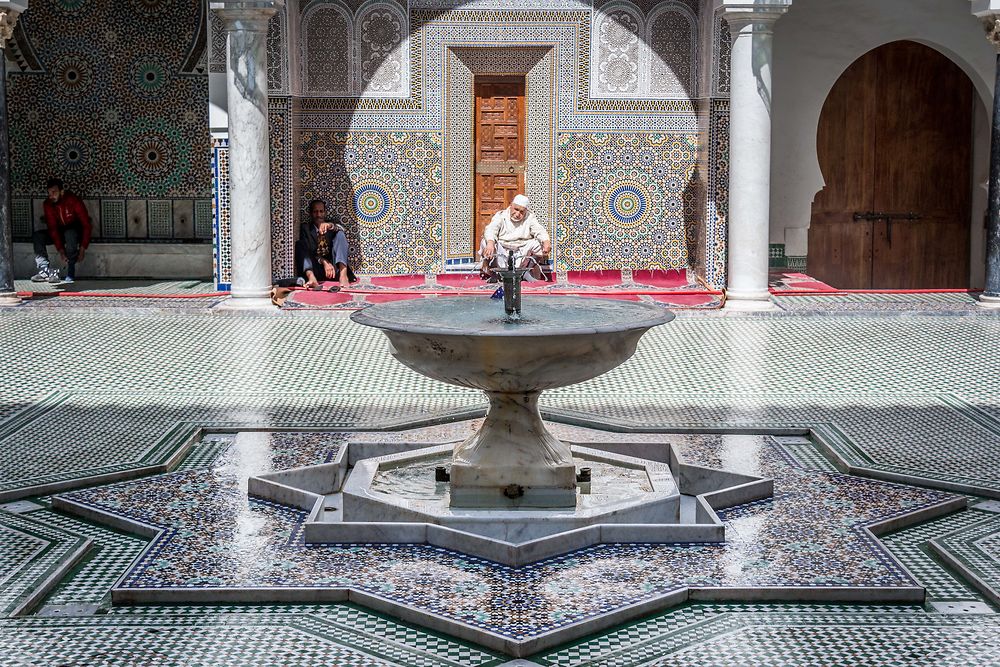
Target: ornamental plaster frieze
(989,12)
(9,11)
(757,16)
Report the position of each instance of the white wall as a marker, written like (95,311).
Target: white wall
(813,44)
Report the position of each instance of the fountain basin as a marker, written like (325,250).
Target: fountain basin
(400,488)
(558,341)
(513,461)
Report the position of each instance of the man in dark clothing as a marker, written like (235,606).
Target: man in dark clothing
(68,230)
(321,251)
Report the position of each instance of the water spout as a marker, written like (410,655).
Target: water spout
(512,279)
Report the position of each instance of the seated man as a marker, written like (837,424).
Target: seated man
(321,251)
(68,230)
(515,231)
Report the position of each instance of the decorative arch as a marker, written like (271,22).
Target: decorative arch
(326,70)
(617,37)
(671,65)
(381,36)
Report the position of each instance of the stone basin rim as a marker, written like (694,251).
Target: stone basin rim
(648,316)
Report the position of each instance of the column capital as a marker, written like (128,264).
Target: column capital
(9,11)
(246,14)
(758,15)
(989,12)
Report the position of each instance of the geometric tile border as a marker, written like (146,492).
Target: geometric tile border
(91,581)
(157,442)
(912,546)
(803,639)
(232,640)
(33,560)
(974,551)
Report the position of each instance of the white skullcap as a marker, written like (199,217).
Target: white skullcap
(521,200)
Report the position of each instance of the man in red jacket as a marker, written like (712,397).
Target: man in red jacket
(68,230)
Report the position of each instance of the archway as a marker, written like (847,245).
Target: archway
(895,148)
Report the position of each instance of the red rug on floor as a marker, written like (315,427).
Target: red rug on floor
(594,278)
(671,279)
(671,289)
(399,282)
(796,282)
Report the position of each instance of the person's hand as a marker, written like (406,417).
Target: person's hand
(311,279)
(491,249)
(546,247)
(329,270)
(325,227)
(62,255)
(82,252)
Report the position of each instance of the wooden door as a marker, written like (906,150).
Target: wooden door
(499,151)
(895,147)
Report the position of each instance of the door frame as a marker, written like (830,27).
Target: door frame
(536,63)
(522,136)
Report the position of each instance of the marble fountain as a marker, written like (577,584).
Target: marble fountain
(511,491)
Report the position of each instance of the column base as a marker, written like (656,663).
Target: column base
(246,303)
(989,301)
(748,294)
(9,299)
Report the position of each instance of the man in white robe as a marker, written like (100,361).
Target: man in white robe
(515,231)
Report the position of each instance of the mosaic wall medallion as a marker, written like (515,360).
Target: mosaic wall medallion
(625,200)
(385,188)
(118,108)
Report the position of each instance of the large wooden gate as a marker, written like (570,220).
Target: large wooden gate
(895,148)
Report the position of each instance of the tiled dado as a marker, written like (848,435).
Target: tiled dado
(126,219)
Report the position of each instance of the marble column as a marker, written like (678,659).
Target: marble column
(250,191)
(991,294)
(8,294)
(750,149)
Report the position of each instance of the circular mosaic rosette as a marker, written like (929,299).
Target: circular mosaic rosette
(151,154)
(73,153)
(149,76)
(628,204)
(373,203)
(72,75)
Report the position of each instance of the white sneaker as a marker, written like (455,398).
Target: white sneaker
(40,277)
(54,276)
(68,280)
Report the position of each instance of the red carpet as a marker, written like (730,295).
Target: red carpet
(459,279)
(671,289)
(672,279)
(399,282)
(594,278)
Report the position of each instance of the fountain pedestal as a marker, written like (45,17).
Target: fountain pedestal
(513,460)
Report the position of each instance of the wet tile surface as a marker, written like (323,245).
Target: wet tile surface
(894,393)
(811,535)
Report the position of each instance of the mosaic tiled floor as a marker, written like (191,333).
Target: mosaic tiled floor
(964,303)
(890,394)
(811,535)
(120,287)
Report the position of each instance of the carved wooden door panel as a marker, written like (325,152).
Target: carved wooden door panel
(499,151)
(894,143)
